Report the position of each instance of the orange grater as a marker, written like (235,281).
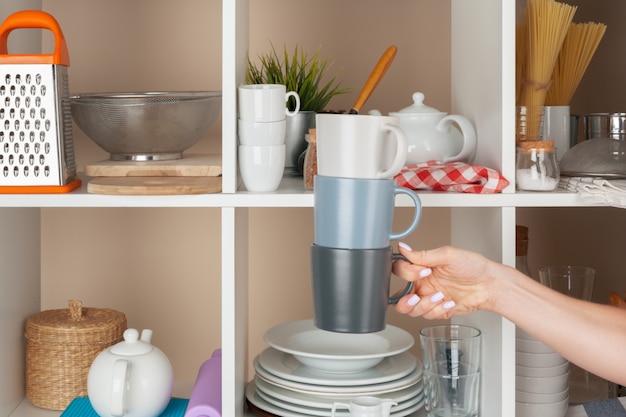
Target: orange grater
(36,143)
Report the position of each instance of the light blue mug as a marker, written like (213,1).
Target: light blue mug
(357,213)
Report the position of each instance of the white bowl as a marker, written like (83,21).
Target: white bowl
(556,409)
(542,385)
(542,371)
(337,352)
(534,398)
(531,346)
(539,359)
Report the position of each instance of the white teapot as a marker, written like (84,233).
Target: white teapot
(432,134)
(131,379)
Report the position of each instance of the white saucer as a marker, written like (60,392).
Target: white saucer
(313,389)
(336,352)
(405,397)
(284,365)
(257,401)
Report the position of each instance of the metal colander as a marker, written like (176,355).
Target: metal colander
(599,157)
(148,125)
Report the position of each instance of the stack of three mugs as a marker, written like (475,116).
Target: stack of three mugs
(354,203)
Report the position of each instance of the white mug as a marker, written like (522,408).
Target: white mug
(261,166)
(261,133)
(360,146)
(265,102)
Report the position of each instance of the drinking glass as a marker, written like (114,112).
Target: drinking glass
(577,282)
(451,354)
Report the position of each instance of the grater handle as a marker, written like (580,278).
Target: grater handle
(33,19)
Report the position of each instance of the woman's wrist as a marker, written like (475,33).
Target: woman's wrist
(501,281)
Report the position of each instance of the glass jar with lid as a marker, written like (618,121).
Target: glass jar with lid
(536,168)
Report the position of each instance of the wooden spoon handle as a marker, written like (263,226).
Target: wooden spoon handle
(377,74)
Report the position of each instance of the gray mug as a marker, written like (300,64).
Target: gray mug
(351,288)
(357,213)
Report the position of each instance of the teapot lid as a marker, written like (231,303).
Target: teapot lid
(418,105)
(131,345)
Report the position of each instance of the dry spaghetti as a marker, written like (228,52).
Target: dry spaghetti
(548,22)
(579,46)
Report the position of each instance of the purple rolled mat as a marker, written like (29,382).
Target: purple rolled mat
(206,397)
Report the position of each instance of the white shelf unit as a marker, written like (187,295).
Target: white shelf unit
(483,44)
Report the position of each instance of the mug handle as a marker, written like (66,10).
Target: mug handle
(337,405)
(297,98)
(409,285)
(416,215)
(402,146)
(469,136)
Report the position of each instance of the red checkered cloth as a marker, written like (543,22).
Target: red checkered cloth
(452,176)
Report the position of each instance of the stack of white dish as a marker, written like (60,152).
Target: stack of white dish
(305,370)
(541,378)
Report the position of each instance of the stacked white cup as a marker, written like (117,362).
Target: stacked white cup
(261,131)
(541,378)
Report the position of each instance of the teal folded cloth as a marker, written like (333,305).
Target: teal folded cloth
(605,408)
(81,407)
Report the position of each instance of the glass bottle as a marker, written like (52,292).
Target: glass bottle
(521,249)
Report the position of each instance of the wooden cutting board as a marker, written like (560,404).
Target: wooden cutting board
(205,165)
(154,185)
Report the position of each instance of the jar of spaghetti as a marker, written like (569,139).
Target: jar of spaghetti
(536,168)
(310,160)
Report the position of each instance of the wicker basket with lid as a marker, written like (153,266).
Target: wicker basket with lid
(61,345)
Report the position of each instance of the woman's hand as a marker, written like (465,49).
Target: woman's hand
(448,281)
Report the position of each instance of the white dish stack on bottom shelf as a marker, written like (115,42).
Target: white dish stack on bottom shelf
(541,378)
(285,386)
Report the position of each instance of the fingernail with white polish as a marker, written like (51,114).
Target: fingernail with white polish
(425,272)
(413,300)
(448,305)
(436,297)
(404,246)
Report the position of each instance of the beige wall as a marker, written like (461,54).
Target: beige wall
(161,266)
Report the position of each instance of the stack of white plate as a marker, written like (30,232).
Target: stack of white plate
(541,378)
(305,370)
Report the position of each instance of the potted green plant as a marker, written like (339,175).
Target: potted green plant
(309,77)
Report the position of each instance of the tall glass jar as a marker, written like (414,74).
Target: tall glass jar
(537,168)
(310,160)
(528,123)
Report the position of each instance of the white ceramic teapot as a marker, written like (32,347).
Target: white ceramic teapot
(432,135)
(131,379)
